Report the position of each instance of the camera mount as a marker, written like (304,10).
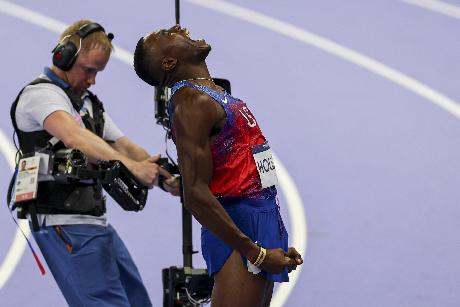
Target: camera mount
(184,286)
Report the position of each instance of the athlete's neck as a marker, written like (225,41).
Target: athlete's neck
(196,79)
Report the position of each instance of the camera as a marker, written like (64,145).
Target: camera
(71,166)
(186,286)
(161,98)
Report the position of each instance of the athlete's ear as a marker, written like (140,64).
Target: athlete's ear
(168,63)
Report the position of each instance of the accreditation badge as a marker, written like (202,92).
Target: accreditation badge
(26,185)
(265,165)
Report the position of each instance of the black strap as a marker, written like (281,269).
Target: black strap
(13,117)
(95,123)
(76,101)
(98,121)
(32,210)
(89,28)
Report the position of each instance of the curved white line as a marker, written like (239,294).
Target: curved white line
(51,24)
(19,243)
(437,6)
(298,225)
(294,202)
(333,48)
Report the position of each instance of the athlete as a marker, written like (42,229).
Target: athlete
(227,169)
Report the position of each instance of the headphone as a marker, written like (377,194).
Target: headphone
(65,53)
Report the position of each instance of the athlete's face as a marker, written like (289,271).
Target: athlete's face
(83,73)
(176,42)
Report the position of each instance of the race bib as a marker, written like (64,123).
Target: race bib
(265,165)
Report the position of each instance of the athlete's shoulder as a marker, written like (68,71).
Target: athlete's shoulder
(191,97)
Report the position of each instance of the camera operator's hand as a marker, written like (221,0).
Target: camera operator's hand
(147,170)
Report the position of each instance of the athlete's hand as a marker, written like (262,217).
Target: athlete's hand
(275,261)
(296,259)
(172,185)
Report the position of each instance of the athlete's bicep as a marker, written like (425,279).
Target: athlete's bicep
(194,119)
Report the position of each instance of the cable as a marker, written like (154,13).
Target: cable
(195,302)
(177,11)
(10,209)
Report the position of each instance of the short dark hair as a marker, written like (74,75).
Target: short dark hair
(141,63)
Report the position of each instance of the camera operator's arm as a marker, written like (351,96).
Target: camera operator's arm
(195,116)
(130,149)
(62,125)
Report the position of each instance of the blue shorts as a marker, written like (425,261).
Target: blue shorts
(260,220)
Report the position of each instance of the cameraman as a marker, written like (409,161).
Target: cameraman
(87,258)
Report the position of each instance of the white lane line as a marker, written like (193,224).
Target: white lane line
(437,6)
(298,229)
(335,49)
(19,243)
(30,16)
(52,25)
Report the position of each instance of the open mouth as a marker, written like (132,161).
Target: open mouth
(186,33)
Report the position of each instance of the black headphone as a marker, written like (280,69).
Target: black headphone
(65,53)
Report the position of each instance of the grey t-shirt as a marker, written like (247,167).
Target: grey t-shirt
(36,103)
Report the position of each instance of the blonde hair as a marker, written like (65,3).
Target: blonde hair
(94,40)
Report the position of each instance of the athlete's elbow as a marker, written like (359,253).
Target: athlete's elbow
(194,198)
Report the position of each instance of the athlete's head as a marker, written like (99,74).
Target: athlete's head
(165,55)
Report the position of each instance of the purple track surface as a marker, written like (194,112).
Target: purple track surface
(376,165)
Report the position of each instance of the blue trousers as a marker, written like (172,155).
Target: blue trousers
(92,266)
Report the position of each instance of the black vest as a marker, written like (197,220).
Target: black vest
(53,197)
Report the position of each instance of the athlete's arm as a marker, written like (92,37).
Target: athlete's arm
(194,117)
(61,125)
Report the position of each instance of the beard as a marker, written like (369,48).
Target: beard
(203,52)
